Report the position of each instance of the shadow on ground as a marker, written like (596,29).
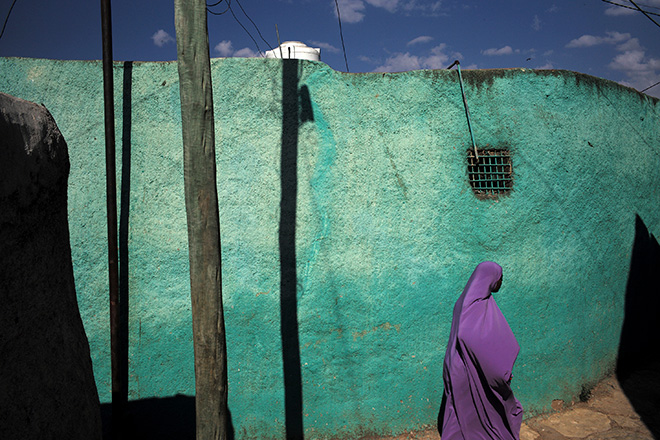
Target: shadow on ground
(642,388)
(168,418)
(638,367)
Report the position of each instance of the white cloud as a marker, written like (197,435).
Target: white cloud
(351,11)
(616,37)
(400,62)
(584,41)
(224,48)
(631,60)
(246,52)
(389,5)
(161,38)
(632,44)
(634,62)
(548,65)
(367,59)
(423,7)
(418,40)
(325,46)
(437,58)
(506,50)
(590,40)
(641,71)
(617,10)
(536,23)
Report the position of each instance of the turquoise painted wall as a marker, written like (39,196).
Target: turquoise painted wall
(387,228)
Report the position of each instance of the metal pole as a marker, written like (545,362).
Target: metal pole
(279,44)
(465,104)
(111,200)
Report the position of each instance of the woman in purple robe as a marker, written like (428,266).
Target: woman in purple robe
(478,402)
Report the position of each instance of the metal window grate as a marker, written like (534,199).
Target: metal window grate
(490,175)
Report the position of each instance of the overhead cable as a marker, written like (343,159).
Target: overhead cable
(246,31)
(228,8)
(645,13)
(630,7)
(254,24)
(216,4)
(341,34)
(650,87)
(6,19)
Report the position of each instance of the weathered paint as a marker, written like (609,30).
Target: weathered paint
(387,228)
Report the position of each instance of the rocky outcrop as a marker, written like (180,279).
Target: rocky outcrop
(46,381)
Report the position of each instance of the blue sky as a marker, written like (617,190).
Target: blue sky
(588,36)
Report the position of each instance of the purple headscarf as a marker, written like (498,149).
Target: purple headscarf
(478,402)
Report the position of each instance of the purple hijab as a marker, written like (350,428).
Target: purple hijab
(478,402)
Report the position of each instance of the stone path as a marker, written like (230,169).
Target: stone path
(607,415)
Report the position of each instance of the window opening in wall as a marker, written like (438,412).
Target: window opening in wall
(490,174)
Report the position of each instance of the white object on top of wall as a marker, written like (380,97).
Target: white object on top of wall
(295,49)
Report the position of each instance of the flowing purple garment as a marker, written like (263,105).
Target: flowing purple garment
(478,402)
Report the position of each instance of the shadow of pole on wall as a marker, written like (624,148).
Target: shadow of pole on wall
(638,365)
(296,107)
(124,210)
(287,245)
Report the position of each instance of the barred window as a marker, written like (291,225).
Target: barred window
(490,175)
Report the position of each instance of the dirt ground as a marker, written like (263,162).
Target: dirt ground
(612,410)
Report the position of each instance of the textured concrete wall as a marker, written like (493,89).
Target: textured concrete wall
(387,229)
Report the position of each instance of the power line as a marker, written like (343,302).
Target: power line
(644,12)
(649,87)
(248,32)
(648,15)
(341,34)
(6,19)
(216,4)
(630,7)
(650,6)
(228,8)
(254,24)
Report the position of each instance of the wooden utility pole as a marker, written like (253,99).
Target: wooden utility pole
(199,172)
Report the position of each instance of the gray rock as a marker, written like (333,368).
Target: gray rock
(46,382)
